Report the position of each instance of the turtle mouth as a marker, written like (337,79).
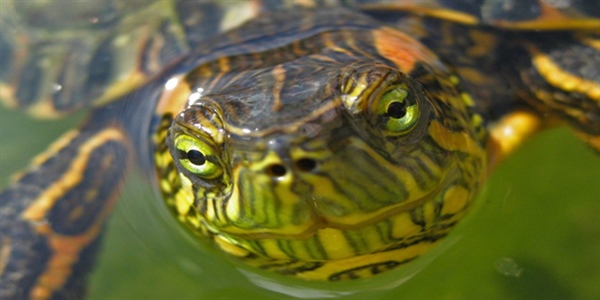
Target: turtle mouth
(339,238)
(318,218)
(319,222)
(324,222)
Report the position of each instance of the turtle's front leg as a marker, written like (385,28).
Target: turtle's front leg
(561,77)
(52,215)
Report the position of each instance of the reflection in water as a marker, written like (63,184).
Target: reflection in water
(508,267)
(315,290)
(537,282)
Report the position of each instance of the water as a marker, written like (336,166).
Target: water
(540,209)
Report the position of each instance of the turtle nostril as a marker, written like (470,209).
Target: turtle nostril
(276,170)
(306,164)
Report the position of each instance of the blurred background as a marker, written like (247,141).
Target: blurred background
(535,235)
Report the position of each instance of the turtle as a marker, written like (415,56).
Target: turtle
(323,140)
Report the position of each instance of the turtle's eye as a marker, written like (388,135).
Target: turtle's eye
(397,110)
(197,157)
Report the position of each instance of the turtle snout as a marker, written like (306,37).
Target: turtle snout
(301,165)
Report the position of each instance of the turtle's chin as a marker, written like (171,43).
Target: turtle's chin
(352,210)
(313,223)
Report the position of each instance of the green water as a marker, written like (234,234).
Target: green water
(540,210)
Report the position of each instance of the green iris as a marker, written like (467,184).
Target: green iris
(197,157)
(398,112)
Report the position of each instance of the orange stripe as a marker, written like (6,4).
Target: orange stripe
(65,249)
(401,49)
(279,74)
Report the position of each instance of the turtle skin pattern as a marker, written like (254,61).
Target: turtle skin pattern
(286,108)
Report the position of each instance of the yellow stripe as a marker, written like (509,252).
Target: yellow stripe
(591,42)
(335,243)
(120,88)
(562,79)
(66,249)
(403,226)
(5,251)
(456,198)
(46,200)
(224,65)
(272,249)
(552,24)
(174,97)
(453,141)
(358,87)
(7,95)
(453,16)
(62,142)
(510,132)
(336,266)
(433,11)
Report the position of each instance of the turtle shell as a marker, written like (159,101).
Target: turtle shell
(57,57)
(527,14)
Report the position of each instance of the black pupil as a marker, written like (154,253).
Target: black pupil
(196,157)
(396,110)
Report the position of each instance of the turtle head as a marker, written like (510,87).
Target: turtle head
(326,170)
